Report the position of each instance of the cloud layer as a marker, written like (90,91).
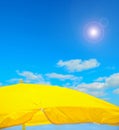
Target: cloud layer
(29,77)
(78,65)
(100,84)
(63,76)
(97,87)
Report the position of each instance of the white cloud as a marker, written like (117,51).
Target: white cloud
(101,79)
(116,91)
(32,77)
(77,65)
(63,76)
(97,93)
(97,88)
(91,89)
(94,88)
(110,81)
(82,89)
(106,98)
(94,85)
(113,80)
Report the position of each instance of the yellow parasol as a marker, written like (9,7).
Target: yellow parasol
(37,104)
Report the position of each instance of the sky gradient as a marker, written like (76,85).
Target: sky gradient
(43,41)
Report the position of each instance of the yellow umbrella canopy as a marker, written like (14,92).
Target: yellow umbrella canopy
(37,104)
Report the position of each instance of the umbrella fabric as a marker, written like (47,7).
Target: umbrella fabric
(37,104)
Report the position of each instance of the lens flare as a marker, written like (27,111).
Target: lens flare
(94,32)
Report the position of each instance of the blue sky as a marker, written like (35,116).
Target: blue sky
(42,41)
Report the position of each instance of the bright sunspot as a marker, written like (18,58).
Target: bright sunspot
(94,32)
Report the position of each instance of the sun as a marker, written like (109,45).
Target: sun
(94,32)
